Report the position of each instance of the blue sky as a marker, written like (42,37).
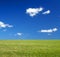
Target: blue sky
(29,19)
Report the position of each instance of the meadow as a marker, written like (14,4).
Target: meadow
(29,48)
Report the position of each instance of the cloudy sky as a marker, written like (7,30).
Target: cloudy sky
(29,19)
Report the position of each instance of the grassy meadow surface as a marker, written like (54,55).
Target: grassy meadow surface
(29,48)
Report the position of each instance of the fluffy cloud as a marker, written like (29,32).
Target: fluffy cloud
(3,25)
(33,11)
(55,29)
(49,30)
(19,34)
(46,12)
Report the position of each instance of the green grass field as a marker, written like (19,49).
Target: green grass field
(29,48)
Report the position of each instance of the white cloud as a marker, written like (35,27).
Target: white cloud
(33,11)
(46,12)
(19,34)
(3,25)
(55,29)
(49,30)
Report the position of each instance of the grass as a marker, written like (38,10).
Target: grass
(29,48)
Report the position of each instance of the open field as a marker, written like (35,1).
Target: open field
(29,48)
